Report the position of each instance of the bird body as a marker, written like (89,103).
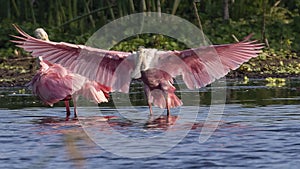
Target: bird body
(53,83)
(159,89)
(115,69)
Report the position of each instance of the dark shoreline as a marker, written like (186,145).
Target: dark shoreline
(18,71)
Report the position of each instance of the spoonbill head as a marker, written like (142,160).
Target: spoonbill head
(40,33)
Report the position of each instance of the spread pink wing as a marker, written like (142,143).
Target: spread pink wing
(203,65)
(103,66)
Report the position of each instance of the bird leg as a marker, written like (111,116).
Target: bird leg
(67,104)
(150,109)
(168,111)
(75,108)
(148,93)
(167,105)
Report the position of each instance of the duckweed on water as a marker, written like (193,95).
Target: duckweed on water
(246,80)
(272,63)
(275,82)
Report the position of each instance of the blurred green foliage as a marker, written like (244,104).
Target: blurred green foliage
(76,20)
(149,41)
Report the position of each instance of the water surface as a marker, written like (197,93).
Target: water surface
(259,129)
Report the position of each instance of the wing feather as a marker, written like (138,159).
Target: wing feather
(96,64)
(203,65)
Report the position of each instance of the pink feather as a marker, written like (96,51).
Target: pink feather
(53,83)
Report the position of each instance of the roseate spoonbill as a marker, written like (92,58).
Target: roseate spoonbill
(53,83)
(198,67)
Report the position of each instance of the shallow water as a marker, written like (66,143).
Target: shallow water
(259,128)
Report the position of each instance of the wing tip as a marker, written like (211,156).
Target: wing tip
(247,38)
(19,30)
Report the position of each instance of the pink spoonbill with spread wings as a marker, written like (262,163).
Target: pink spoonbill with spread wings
(198,66)
(53,83)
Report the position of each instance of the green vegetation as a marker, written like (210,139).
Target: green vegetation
(75,20)
(273,63)
(274,22)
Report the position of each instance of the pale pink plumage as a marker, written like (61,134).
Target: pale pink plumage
(198,67)
(54,83)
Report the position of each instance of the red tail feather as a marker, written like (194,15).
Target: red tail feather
(105,89)
(173,100)
(160,101)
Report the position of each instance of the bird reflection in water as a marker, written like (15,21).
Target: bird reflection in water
(162,122)
(77,144)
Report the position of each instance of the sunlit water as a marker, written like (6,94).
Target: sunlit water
(260,128)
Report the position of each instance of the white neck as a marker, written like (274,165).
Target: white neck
(143,61)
